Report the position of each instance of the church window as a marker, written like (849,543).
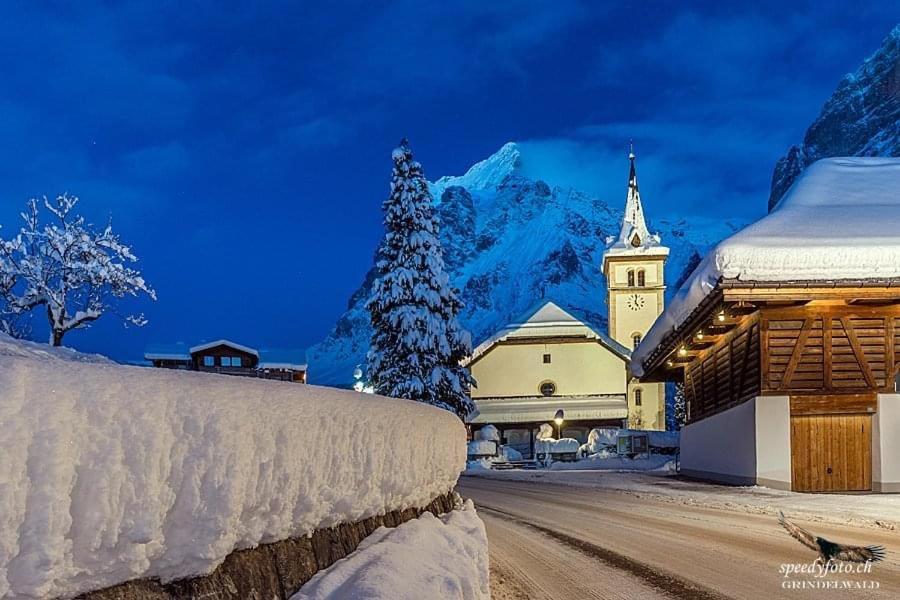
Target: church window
(546,359)
(638,396)
(641,279)
(636,241)
(630,277)
(636,339)
(548,388)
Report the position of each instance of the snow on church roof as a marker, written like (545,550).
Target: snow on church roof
(548,320)
(839,221)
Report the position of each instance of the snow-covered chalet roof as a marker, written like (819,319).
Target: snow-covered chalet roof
(549,320)
(282,358)
(179,351)
(840,221)
(223,342)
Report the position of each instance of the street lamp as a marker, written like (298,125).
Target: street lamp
(558,419)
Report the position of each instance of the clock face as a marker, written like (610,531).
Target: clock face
(635,302)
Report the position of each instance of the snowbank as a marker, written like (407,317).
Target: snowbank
(25,349)
(428,557)
(488,432)
(559,446)
(837,222)
(482,448)
(110,473)
(604,461)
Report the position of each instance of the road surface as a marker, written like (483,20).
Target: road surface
(548,541)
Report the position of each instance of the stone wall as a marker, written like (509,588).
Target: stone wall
(269,571)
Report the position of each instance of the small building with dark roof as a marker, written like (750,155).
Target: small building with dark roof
(230,358)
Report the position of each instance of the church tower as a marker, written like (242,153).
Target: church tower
(634,266)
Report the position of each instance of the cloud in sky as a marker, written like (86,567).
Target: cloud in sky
(245,152)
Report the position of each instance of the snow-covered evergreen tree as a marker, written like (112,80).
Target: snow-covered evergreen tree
(67,268)
(417,343)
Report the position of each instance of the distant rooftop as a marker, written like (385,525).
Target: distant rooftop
(269,358)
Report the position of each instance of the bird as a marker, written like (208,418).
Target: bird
(829,550)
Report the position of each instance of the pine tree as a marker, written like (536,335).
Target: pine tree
(417,342)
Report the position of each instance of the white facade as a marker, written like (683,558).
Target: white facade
(886,445)
(749,444)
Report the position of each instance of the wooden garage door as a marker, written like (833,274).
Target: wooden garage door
(831,453)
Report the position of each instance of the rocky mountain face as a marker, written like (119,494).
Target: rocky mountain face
(862,118)
(509,243)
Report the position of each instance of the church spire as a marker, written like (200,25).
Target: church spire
(634,232)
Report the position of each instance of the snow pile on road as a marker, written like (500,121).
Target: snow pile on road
(428,557)
(606,461)
(110,473)
(837,222)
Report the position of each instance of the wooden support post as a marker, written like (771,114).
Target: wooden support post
(858,352)
(797,353)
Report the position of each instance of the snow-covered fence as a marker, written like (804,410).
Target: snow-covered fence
(111,473)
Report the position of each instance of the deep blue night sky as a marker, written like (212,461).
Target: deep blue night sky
(244,151)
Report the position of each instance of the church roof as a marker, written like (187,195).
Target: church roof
(549,320)
(634,238)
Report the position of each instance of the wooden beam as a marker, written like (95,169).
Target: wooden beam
(850,292)
(833,404)
(797,353)
(826,350)
(889,359)
(858,351)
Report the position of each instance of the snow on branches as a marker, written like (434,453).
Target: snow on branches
(66,267)
(417,343)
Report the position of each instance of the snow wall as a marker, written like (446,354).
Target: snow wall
(111,473)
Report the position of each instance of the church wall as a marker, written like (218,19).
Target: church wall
(577,368)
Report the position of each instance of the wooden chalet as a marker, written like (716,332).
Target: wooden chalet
(230,358)
(789,381)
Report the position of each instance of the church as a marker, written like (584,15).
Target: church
(550,367)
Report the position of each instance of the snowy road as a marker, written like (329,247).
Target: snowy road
(549,541)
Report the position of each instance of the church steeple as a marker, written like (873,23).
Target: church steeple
(634,232)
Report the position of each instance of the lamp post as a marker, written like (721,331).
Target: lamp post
(558,419)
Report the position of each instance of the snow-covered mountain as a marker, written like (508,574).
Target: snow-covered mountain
(862,118)
(509,242)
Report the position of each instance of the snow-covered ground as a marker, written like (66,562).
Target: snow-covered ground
(610,462)
(428,557)
(838,221)
(110,473)
(871,510)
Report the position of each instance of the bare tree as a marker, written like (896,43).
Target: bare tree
(68,268)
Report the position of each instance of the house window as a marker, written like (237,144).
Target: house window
(630,278)
(209,361)
(638,397)
(235,361)
(548,388)
(226,361)
(546,359)
(636,339)
(641,279)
